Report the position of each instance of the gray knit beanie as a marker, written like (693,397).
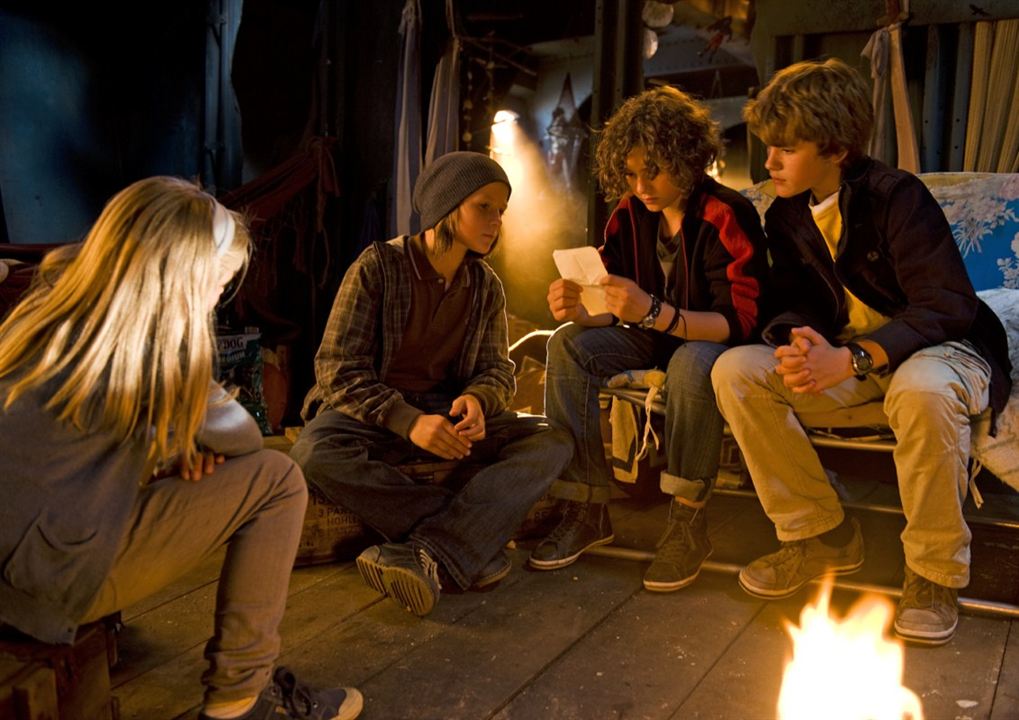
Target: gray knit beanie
(449,180)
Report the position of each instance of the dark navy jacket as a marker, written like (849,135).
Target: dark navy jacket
(897,255)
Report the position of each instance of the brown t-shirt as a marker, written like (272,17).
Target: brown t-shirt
(436,328)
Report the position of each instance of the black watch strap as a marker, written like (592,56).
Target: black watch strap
(860,359)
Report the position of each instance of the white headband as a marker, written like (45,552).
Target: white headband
(223,228)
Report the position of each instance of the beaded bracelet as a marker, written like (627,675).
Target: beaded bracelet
(652,314)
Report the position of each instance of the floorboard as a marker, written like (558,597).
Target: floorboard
(584,642)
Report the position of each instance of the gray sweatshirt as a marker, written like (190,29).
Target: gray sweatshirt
(66,501)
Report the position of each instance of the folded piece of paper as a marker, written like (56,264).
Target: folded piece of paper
(583,266)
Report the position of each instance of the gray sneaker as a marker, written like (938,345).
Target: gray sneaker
(681,552)
(928,613)
(404,572)
(782,573)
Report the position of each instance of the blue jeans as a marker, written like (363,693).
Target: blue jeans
(463,522)
(581,359)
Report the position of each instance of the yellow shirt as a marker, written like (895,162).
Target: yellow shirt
(863,319)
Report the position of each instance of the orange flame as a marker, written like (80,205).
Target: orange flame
(846,669)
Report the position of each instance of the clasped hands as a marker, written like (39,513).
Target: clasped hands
(623,297)
(439,436)
(809,363)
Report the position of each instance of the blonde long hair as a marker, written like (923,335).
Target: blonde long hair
(121,322)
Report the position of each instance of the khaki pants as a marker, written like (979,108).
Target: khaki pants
(929,400)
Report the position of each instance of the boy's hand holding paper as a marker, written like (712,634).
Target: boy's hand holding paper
(583,266)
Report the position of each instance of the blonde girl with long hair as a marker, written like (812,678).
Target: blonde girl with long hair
(123,463)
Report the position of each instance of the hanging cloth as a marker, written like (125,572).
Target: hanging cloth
(444,103)
(408,120)
(884,50)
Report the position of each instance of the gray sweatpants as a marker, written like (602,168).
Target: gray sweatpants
(254,504)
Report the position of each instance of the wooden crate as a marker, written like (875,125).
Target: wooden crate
(28,690)
(59,682)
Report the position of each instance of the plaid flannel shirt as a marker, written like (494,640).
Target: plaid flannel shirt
(365,330)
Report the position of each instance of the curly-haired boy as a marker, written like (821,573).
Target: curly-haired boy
(685,257)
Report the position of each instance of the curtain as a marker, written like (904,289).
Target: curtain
(992,129)
(408,120)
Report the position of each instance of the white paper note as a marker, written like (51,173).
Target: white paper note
(583,266)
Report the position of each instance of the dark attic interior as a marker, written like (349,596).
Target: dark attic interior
(313,119)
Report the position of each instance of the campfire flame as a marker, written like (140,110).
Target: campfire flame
(845,669)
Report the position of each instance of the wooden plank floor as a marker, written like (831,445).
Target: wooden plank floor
(585,642)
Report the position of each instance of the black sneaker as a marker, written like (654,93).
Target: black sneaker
(493,573)
(582,527)
(928,613)
(681,552)
(404,572)
(284,697)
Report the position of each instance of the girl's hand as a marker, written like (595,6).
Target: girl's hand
(472,424)
(437,435)
(625,299)
(564,301)
(205,464)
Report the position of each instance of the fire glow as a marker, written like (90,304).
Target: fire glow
(846,669)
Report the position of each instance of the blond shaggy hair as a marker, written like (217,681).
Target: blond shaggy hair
(676,132)
(827,103)
(120,323)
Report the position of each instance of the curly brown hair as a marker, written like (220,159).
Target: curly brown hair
(676,132)
(827,103)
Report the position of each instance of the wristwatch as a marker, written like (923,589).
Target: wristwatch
(652,314)
(860,359)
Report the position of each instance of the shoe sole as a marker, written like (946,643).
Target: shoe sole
(660,586)
(351,706)
(484,583)
(398,584)
(767,594)
(928,639)
(569,560)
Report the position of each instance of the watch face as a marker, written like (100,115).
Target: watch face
(861,360)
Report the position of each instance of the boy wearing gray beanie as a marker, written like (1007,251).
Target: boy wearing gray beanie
(414,364)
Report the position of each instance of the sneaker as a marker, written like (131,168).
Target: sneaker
(582,527)
(928,613)
(681,552)
(496,569)
(782,573)
(284,697)
(404,572)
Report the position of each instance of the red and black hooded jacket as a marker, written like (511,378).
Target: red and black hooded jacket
(721,265)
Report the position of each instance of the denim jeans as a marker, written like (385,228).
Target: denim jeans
(581,359)
(254,504)
(930,400)
(463,522)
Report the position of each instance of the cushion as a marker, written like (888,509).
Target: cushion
(1000,454)
(983,210)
